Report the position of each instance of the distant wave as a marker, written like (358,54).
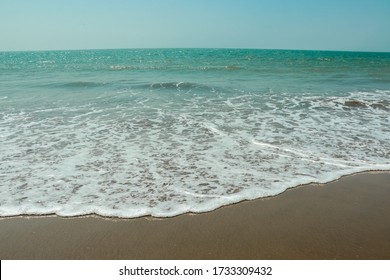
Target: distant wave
(132,67)
(179,86)
(200,68)
(122,67)
(74,85)
(83,84)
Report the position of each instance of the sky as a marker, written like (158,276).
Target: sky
(354,25)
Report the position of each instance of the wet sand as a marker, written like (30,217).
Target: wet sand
(345,219)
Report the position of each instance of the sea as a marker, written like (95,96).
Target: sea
(162,132)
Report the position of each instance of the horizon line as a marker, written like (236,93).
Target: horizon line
(194,48)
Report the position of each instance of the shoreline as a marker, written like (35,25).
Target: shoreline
(344,219)
(379,171)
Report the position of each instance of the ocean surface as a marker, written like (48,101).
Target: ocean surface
(162,132)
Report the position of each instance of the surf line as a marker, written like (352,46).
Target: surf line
(302,155)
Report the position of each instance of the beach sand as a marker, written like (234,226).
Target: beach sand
(345,219)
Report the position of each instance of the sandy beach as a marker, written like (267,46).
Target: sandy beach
(344,219)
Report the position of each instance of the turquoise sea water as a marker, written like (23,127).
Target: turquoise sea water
(167,131)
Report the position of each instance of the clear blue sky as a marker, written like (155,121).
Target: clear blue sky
(265,24)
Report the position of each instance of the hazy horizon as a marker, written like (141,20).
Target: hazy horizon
(189,48)
(256,24)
